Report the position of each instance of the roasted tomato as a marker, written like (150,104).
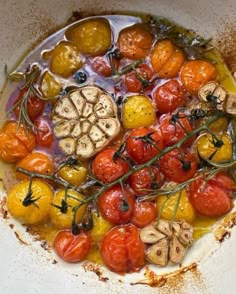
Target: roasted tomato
(116,205)
(101,66)
(50,87)
(178,165)
(143,144)
(144,214)
(212,197)
(100,228)
(15,144)
(35,105)
(144,180)
(136,80)
(35,162)
(74,175)
(72,248)
(44,135)
(122,250)
(196,73)
(33,209)
(169,96)
(167,59)
(135,41)
(107,168)
(172,131)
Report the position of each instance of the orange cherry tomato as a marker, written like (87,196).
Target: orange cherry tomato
(14,143)
(72,248)
(135,41)
(144,214)
(169,96)
(143,180)
(106,168)
(167,59)
(122,250)
(44,135)
(141,151)
(196,73)
(133,81)
(116,205)
(35,162)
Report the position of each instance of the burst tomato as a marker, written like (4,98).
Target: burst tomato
(72,248)
(144,213)
(178,166)
(116,205)
(212,198)
(143,144)
(122,250)
(143,180)
(102,66)
(106,168)
(44,136)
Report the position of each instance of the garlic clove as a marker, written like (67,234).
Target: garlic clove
(177,250)
(150,235)
(158,253)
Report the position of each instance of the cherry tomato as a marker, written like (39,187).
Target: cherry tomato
(35,162)
(122,250)
(167,59)
(178,166)
(144,214)
(74,175)
(169,96)
(102,66)
(115,205)
(35,105)
(196,73)
(173,132)
(135,41)
(212,198)
(44,136)
(106,168)
(143,180)
(139,149)
(72,248)
(133,81)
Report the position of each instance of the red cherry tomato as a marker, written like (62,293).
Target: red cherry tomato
(101,66)
(72,248)
(212,198)
(169,96)
(143,180)
(139,149)
(132,80)
(116,207)
(173,132)
(178,166)
(144,214)
(35,105)
(122,250)
(107,169)
(44,136)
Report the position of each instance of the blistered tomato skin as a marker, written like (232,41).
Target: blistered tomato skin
(93,37)
(169,96)
(138,111)
(116,205)
(101,66)
(72,248)
(30,214)
(196,73)
(144,214)
(106,168)
(167,59)
(141,151)
(212,198)
(100,228)
(44,134)
(122,250)
(135,41)
(74,175)
(50,87)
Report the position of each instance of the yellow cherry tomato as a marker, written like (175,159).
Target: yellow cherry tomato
(138,111)
(185,209)
(92,36)
(64,220)
(36,212)
(65,59)
(100,228)
(220,125)
(50,87)
(74,175)
(207,150)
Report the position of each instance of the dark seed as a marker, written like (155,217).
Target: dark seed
(80,77)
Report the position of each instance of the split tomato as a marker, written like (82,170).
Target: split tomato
(44,136)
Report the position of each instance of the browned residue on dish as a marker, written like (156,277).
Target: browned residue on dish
(222,230)
(20,238)
(3,208)
(97,269)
